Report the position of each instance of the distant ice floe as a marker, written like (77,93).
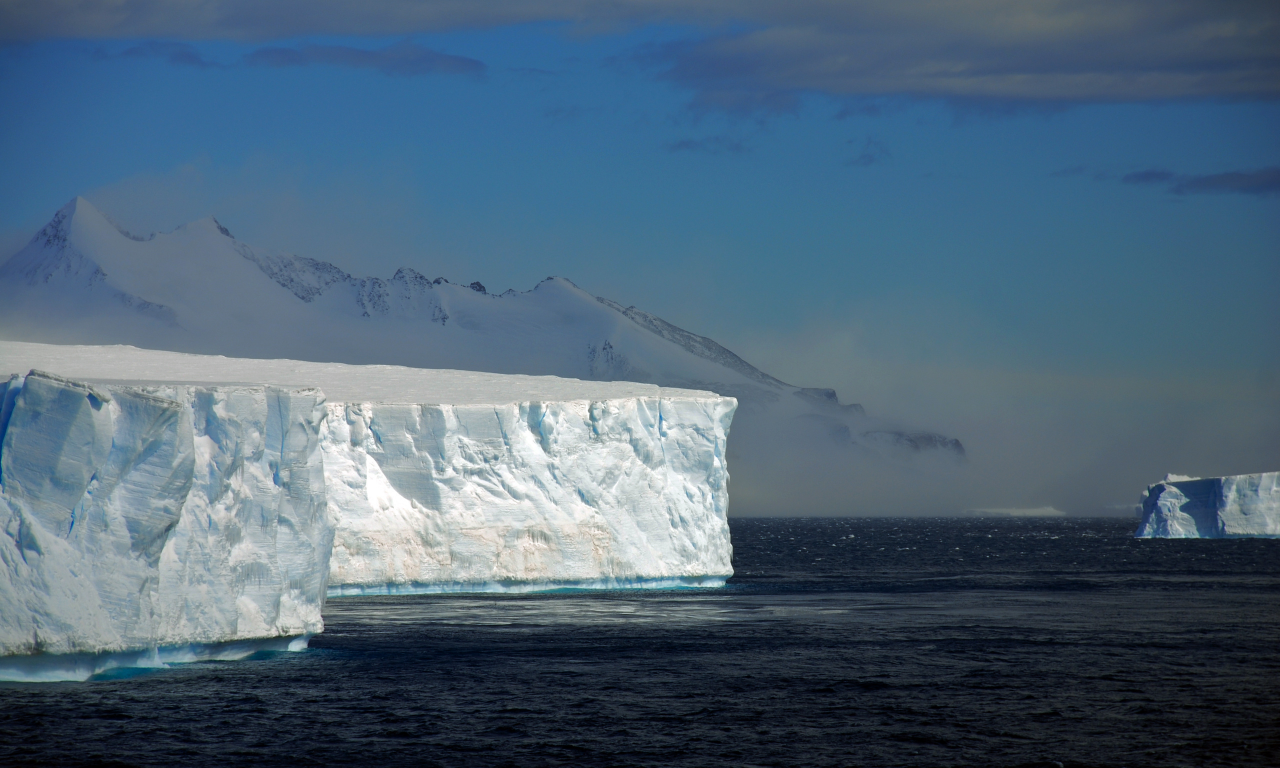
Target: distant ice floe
(1239,506)
(1015,512)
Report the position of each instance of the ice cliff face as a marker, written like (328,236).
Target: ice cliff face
(457,480)
(599,493)
(1212,508)
(133,517)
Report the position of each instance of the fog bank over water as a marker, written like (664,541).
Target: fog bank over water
(1036,433)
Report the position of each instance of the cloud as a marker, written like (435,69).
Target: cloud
(761,56)
(711,145)
(1153,176)
(1071,170)
(178,54)
(1263,182)
(404,58)
(873,151)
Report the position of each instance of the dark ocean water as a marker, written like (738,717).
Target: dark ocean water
(839,642)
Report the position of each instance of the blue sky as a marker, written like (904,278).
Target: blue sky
(1072,245)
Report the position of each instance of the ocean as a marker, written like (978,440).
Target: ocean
(839,642)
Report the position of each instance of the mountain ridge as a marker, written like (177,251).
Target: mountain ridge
(84,279)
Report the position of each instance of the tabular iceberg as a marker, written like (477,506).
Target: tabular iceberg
(1212,508)
(456,480)
(169,517)
(529,494)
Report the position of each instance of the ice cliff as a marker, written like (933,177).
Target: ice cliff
(1212,508)
(456,480)
(526,494)
(138,517)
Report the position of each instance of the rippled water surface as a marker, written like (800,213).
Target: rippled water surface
(839,642)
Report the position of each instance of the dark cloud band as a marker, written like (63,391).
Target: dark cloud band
(403,58)
(1052,51)
(1264,182)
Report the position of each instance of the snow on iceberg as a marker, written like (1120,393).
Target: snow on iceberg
(457,480)
(1212,508)
(152,520)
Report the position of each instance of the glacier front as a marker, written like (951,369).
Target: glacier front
(165,520)
(465,481)
(1238,506)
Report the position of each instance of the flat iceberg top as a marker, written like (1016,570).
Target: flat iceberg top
(340,382)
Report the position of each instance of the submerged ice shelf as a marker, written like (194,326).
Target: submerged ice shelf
(136,524)
(1238,506)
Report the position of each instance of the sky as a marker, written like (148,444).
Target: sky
(1048,228)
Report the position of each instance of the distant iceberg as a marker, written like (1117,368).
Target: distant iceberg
(1239,506)
(1014,512)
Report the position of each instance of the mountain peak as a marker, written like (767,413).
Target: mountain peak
(210,221)
(78,204)
(82,217)
(78,209)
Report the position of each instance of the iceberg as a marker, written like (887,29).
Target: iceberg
(519,495)
(1232,507)
(442,480)
(154,520)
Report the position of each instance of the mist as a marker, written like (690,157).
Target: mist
(1085,441)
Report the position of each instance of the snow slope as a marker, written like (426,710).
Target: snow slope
(82,280)
(137,517)
(1212,508)
(458,480)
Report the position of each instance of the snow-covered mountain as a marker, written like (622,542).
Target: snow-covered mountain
(82,279)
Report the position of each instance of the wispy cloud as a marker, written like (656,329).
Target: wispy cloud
(711,145)
(760,57)
(873,151)
(1263,182)
(179,54)
(404,58)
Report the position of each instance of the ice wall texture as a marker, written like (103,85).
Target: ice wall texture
(1212,508)
(133,517)
(487,481)
(512,496)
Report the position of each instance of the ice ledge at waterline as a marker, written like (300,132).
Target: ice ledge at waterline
(1212,508)
(455,480)
(141,517)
